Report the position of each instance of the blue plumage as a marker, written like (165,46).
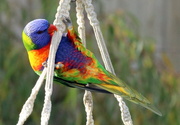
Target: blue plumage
(69,55)
(37,30)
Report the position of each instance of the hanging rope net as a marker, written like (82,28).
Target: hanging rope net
(48,73)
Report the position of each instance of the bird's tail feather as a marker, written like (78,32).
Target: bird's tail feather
(129,94)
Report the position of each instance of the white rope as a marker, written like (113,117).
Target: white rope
(29,104)
(98,34)
(88,101)
(125,114)
(45,114)
(62,11)
(80,21)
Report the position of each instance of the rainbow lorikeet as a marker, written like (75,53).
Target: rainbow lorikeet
(76,66)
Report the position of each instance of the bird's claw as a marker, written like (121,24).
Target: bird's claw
(67,22)
(44,64)
(59,65)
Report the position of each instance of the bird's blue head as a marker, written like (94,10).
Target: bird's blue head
(37,34)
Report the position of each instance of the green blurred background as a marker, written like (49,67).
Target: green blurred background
(134,57)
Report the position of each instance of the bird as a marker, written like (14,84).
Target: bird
(75,65)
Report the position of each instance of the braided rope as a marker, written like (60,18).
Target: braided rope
(62,10)
(87,99)
(80,21)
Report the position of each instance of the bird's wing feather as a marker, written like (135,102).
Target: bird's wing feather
(74,84)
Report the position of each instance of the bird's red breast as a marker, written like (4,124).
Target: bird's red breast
(37,57)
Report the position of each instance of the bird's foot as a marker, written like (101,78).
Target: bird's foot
(67,22)
(44,64)
(59,65)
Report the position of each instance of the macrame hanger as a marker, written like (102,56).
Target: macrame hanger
(63,11)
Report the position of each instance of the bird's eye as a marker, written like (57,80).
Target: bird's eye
(39,32)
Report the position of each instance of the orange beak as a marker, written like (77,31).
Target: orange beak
(51,29)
